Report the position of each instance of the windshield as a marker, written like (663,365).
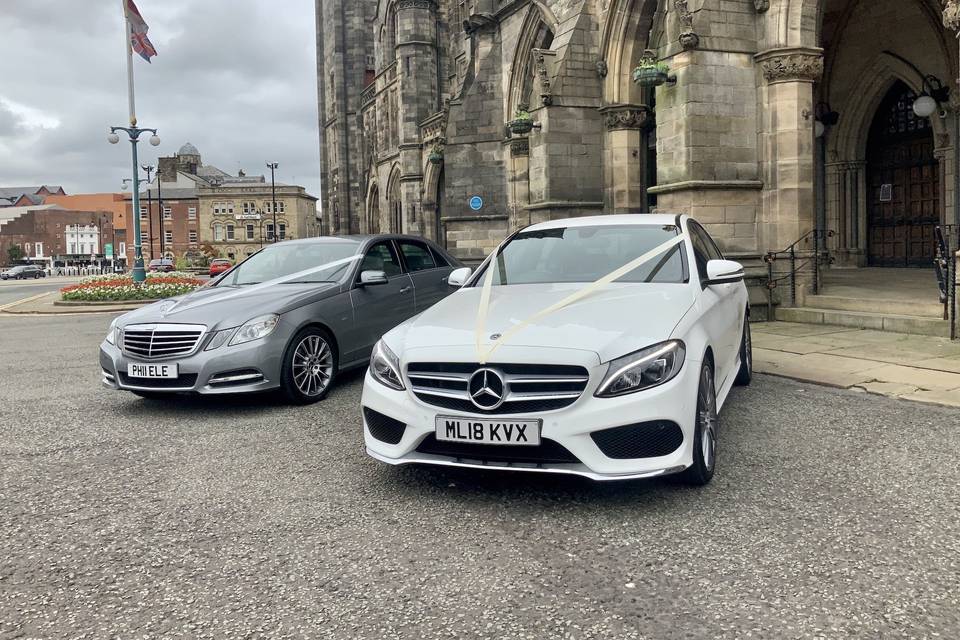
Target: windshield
(287,259)
(586,254)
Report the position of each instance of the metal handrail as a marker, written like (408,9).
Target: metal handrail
(819,237)
(945,263)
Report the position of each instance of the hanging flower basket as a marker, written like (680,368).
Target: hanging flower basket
(436,155)
(651,74)
(522,123)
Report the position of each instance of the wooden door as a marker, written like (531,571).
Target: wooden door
(903,182)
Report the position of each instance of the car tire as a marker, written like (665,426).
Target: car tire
(706,425)
(745,374)
(310,365)
(36,276)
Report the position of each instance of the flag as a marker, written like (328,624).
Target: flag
(138,32)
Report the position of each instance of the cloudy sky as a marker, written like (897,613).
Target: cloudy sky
(237,78)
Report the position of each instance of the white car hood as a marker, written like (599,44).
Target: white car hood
(611,322)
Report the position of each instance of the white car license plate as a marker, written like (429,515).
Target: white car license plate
(484,431)
(137,370)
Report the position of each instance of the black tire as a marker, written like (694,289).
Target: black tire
(308,369)
(700,473)
(745,374)
(36,276)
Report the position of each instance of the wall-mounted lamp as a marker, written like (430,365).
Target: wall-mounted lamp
(824,117)
(933,95)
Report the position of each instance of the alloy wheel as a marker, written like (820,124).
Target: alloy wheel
(707,418)
(312,365)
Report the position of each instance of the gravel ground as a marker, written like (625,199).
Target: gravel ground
(834,514)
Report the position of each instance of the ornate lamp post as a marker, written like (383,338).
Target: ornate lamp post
(134,132)
(273,194)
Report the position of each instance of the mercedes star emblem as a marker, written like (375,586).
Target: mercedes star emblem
(486,389)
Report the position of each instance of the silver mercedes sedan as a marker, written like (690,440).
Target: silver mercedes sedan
(290,317)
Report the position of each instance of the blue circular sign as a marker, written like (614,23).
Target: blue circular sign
(476,203)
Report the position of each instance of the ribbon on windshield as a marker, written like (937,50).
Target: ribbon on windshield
(293,277)
(483,355)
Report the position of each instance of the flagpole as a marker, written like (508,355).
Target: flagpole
(130,97)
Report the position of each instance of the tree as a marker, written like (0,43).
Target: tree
(15,253)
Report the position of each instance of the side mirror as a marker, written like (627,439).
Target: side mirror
(724,272)
(459,276)
(372,278)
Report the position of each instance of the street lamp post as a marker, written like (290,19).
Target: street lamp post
(260,219)
(273,195)
(134,132)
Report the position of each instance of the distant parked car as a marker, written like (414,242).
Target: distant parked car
(161,265)
(220,265)
(23,272)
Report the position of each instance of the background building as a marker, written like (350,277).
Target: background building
(207,210)
(786,116)
(27,196)
(53,236)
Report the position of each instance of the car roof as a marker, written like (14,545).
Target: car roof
(608,220)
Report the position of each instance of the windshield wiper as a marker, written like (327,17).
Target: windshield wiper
(306,281)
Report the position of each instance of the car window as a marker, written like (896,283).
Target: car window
(381,257)
(287,259)
(438,258)
(586,253)
(703,248)
(417,256)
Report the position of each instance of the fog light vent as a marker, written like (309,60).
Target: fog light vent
(642,440)
(384,428)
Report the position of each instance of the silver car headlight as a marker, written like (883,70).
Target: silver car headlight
(259,327)
(112,332)
(643,369)
(385,367)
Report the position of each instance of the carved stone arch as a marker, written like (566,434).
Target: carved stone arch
(539,28)
(848,142)
(431,201)
(394,201)
(372,221)
(626,34)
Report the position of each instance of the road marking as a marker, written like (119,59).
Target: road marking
(11,305)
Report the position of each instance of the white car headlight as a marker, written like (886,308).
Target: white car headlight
(259,327)
(112,332)
(385,367)
(643,369)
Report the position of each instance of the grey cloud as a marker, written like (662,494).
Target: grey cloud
(235,77)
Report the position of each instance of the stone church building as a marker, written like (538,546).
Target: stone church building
(780,117)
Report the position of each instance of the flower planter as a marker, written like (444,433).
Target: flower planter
(435,158)
(520,127)
(649,77)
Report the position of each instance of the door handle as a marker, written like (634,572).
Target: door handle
(405,290)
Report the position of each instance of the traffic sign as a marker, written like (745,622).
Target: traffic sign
(476,203)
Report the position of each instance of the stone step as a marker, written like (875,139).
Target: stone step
(866,305)
(894,323)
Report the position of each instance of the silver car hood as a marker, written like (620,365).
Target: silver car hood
(223,307)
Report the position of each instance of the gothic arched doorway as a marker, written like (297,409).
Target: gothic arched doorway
(395,204)
(903,201)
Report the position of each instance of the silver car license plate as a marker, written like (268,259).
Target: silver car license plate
(486,431)
(155,371)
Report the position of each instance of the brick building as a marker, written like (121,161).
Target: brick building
(54,236)
(170,229)
(28,196)
(785,116)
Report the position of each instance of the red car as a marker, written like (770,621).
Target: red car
(219,266)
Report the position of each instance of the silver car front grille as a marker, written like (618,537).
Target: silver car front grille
(521,388)
(157,341)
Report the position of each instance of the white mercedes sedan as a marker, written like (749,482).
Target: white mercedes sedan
(603,347)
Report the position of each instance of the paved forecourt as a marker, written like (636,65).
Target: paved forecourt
(834,514)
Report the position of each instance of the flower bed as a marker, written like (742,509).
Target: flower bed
(112,288)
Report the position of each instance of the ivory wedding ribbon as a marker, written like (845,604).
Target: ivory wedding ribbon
(264,285)
(484,355)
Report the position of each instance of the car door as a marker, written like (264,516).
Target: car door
(724,316)
(429,277)
(379,308)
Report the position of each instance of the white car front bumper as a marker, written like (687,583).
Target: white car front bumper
(571,427)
